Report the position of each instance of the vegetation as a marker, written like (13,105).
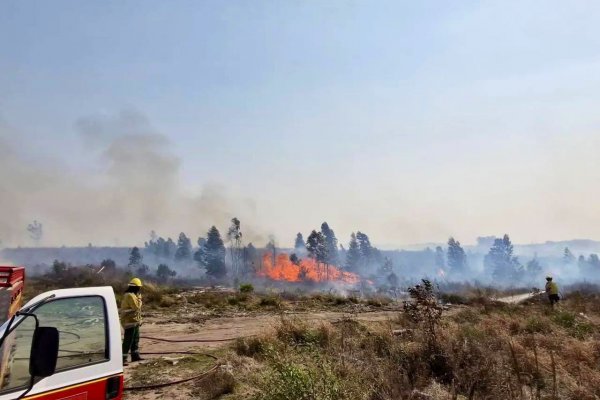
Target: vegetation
(483,351)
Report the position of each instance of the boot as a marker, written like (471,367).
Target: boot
(136,357)
(125,363)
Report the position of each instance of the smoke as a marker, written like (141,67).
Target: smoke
(133,187)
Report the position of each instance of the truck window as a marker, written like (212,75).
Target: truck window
(14,353)
(81,322)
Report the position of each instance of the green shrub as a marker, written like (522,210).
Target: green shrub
(537,325)
(246,288)
(289,380)
(270,301)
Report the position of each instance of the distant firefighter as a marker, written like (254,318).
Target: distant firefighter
(552,291)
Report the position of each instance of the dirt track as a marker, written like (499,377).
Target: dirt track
(218,329)
(218,332)
(215,331)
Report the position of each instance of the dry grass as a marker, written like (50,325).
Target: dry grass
(489,351)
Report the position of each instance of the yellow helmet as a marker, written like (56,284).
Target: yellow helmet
(135,282)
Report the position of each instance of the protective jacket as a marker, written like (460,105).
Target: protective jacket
(551,288)
(131,310)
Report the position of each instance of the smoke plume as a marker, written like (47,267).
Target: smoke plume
(134,187)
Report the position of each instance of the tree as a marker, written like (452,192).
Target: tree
(594,263)
(234,235)
(331,244)
(169,248)
(200,254)
(457,259)
(164,273)
(568,257)
(142,270)
(250,255)
(352,255)
(184,249)
(581,264)
(135,257)
(294,259)
(440,262)
(59,268)
(108,265)
(500,260)
(315,244)
(392,280)
(299,244)
(365,247)
(533,269)
(271,247)
(317,250)
(35,230)
(214,253)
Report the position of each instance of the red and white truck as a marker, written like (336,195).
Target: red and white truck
(62,345)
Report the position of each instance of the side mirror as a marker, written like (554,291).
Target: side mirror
(44,352)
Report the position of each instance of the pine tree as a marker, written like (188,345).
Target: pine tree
(568,257)
(234,235)
(500,260)
(367,251)
(214,250)
(200,254)
(135,257)
(331,244)
(184,248)
(250,255)
(352,255)
(457,259)
(315,244)
(299,244)
(163,273)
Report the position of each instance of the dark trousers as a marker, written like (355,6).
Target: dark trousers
(554,298)
(131,341)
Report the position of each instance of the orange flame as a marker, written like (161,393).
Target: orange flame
(307,270)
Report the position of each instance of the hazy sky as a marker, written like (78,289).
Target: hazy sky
(410,120)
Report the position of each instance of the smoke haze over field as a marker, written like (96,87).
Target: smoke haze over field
(412,121)
(134,188)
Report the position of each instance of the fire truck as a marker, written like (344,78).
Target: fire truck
(62,345)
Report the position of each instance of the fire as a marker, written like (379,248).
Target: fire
(307,270)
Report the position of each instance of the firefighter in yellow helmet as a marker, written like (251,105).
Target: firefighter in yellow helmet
(552,291)
(131,319)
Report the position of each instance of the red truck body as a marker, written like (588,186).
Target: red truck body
(89,361)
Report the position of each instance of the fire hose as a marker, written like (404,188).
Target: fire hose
(180,381)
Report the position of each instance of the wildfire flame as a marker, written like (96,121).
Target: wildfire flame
(306,270)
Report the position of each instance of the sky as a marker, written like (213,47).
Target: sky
(411,121)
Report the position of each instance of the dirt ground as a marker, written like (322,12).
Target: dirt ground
(219,332)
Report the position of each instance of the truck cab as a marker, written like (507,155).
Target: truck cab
(63,344)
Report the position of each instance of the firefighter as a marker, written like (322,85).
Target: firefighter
(552,291)
(131,319)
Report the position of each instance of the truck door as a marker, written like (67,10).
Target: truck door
(89,363)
